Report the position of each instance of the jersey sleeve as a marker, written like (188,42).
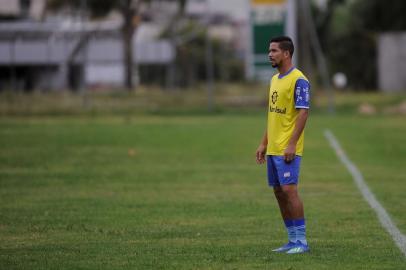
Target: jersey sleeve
(302,94)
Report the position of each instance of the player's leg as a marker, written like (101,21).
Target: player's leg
(293,202)
(282,200)
(286,216)
(295,207)
(288,174)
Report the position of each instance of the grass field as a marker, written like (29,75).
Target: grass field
(184,192)
(150,181)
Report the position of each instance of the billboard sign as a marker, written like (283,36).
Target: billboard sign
(268,19)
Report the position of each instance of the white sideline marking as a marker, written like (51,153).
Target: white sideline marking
(383,216)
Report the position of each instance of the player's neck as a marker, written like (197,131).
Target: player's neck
(285,68)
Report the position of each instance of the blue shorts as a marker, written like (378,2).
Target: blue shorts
(282,173)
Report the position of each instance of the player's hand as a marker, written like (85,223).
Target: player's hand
(290,153)
(260,154)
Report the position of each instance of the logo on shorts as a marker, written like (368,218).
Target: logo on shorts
(286,174)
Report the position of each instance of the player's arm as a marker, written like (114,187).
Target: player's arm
(302,101)
(260,154)
(300,124)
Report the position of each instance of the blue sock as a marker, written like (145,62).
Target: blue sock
(300,229)
(291,230)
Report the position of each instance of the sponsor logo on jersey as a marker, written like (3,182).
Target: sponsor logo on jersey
(277,110)
(274,97)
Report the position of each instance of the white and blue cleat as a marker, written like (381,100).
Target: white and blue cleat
(285,247)
(298,248)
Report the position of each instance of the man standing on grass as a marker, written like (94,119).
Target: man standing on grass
(282,143)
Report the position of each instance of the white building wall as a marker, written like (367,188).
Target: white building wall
(37,9)
(9,7)
(14,8)
(34,45)
(101,74)
(392,62)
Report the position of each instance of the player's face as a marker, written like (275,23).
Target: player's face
(275,55)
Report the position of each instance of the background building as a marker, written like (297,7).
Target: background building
(22,9)
(392,61)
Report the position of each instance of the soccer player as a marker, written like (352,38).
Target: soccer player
(282,144)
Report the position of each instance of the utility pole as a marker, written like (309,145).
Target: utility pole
(320,58)
(13,80)
(83,87)
(209,62)
(291,23)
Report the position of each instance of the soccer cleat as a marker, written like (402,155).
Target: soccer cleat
(298,248)
(286,247)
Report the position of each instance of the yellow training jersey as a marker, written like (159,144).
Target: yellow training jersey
(288,92)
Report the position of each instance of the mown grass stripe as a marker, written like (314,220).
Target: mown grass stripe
(383,216)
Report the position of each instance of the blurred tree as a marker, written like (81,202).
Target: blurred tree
(379,16)
(130,10)
(324,17)
(348,30)
(190,63)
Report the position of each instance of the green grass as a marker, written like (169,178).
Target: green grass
(235,98)
(378,146)
(184,192)
(145,100)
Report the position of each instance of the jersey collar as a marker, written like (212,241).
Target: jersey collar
(280,76)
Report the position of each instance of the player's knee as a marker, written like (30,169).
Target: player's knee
(289,190)
(278,192)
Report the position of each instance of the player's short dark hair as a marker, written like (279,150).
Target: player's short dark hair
(285,43)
